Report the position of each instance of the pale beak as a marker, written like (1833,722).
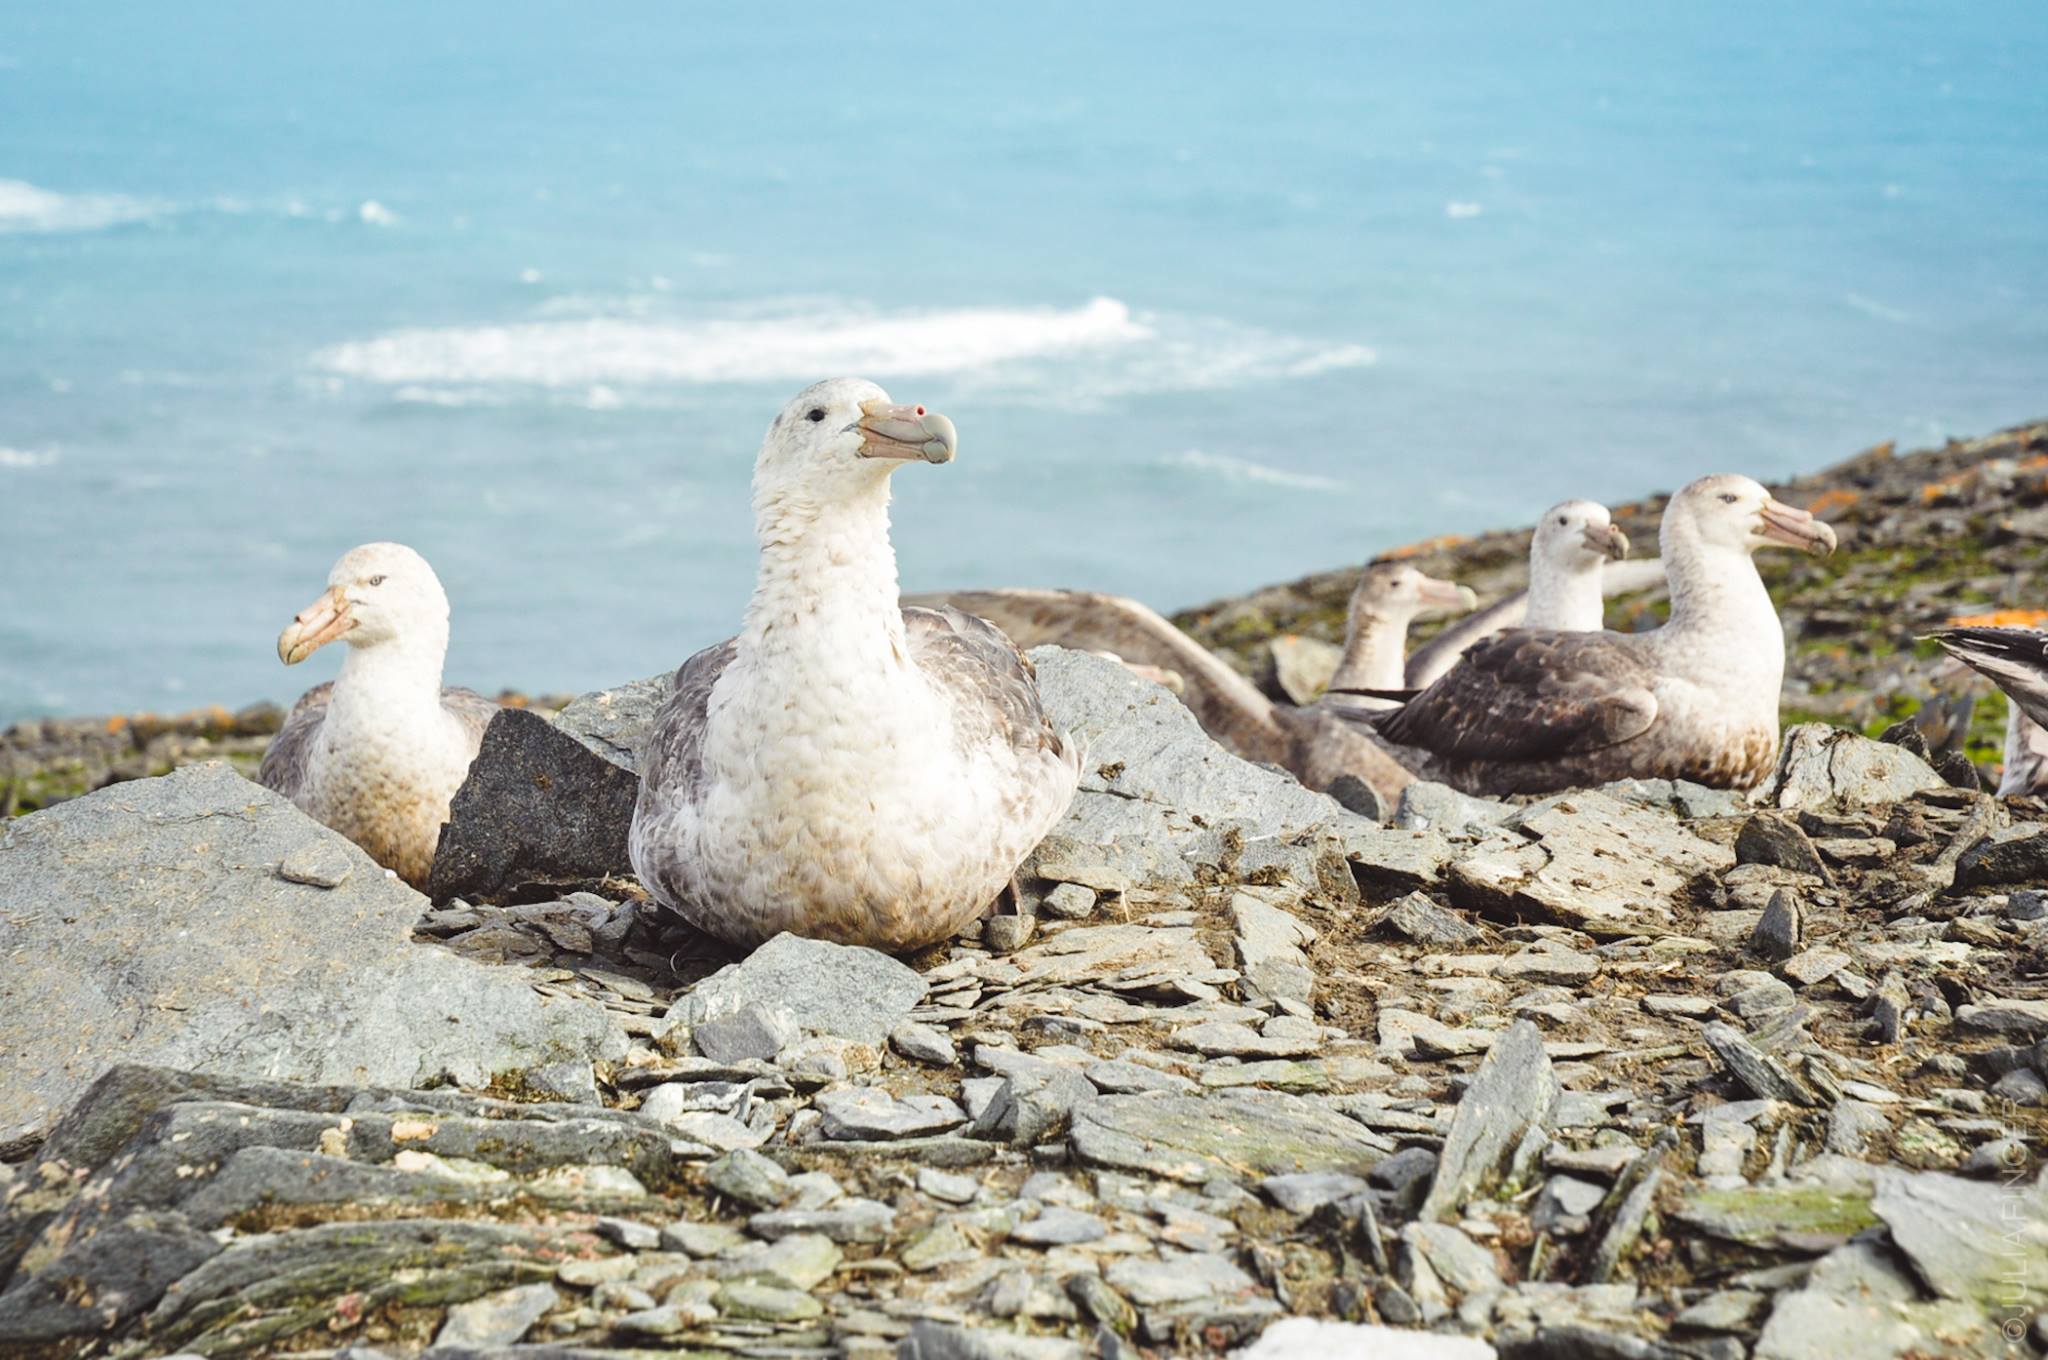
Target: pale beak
(1796,528)
(1607,540)
(1447,597)
(905,432)
(318,624)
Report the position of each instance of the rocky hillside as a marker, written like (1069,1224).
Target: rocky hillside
(1926,537)
(1647,1072)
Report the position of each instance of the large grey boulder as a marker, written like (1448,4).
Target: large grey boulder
(1160,802)
(841,990)
(1822,765)
(1587,859)
(548,803)
(149,922)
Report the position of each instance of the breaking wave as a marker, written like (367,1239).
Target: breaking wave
(1100,348)
(25,208)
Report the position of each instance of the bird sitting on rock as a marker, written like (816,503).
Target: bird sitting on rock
(845,768)
(1533,710)
(379,752)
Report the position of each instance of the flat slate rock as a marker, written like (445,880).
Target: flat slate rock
(149,923)
(1820,765)
(845,991)
(1242,1135)
(1513,1091)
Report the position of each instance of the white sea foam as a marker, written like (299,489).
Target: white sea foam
(25,208)
(1093,351)
(25,458)
(1245,470)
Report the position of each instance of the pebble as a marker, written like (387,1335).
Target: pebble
(318,863)
(766,1302)
(923,1043)
(1069,902)
(495,1320)
(947,1185)
(701,1239)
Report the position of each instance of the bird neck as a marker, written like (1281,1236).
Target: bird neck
(393,683)
(1564,595)
(827,577)
(1718,598)
(1374,650)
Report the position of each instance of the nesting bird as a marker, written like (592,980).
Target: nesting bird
(379,752)
(1534,710)
(845,768)
(1570,576)
(1311,742)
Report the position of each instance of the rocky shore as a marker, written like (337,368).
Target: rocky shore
(1648,1072)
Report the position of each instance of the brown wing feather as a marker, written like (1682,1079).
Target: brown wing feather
(1528,694)
(1228,706)
(284,760)
(996,683)
(674,756)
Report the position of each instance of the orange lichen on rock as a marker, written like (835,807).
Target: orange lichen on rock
(1833,502)
(2003,618)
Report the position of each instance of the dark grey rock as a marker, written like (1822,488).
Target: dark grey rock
(540,811)
(841,990)
(2017,854)
(1513,1091)
(1773,838)
(1777,932)
(1762,1075)
(146,923)
(1354,795)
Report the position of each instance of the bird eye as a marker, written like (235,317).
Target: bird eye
(1728,498)
(1560,519)
(817,413)
(376,580)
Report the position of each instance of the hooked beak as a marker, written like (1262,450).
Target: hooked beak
(1447,597)
(1607,540)
(1795,528)
(318,624)
(906,432)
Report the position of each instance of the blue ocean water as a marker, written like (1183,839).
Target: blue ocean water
(1216,293)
